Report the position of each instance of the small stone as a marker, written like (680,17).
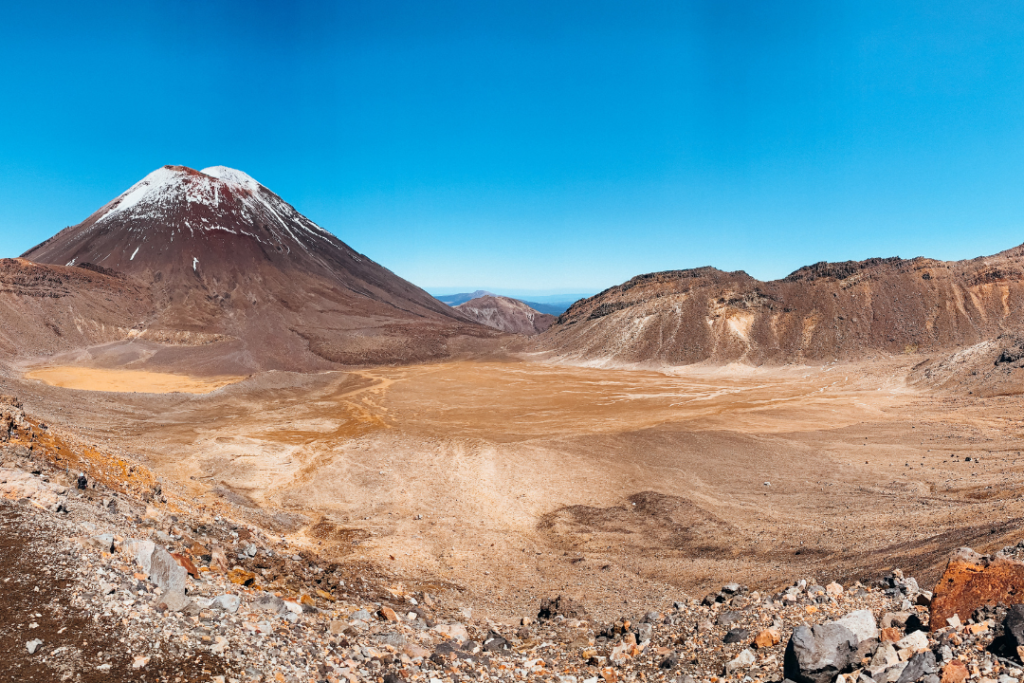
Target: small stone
(767,638)
(885,657)
(736,635)
(241,577)
(227,602)
(269,603)
(388,614)
(743,660)
(890,635)
(918,640)
(454,631)
(834,588)
(33,645)
(139,661)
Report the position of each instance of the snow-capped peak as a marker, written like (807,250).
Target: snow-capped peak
(230,175)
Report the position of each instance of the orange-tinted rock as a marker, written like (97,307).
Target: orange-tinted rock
(186,563)
(890,635)
(767,638)
(972,581)
(954,672)
(388,614)
(241,577)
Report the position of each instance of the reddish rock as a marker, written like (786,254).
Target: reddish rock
(972,581)
(954,672)
(186,564)
(890,635)
(241,577)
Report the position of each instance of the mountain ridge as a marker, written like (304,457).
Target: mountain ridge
(221,254)
(824,311)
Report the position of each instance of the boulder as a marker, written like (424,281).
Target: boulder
(737,635)
(915,641)
(971,581)
(186,563)
(861,623)
(920,665)
(165,572)
(817,654)
(767,638)
(955,672)
(141,551)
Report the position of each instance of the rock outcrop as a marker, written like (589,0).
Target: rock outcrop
(971,581)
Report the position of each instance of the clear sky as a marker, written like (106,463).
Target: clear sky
(538,146)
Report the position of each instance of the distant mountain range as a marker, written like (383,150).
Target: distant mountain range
(506,314)
(552,304)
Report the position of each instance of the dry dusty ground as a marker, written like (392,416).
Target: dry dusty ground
(128,381)
(610,485)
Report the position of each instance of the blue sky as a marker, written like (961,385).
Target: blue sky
(538,146)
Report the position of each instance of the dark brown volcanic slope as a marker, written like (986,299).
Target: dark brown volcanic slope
(507,315)
(821,312)
(220,254)
(47,309)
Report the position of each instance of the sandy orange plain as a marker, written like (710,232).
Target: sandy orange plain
(127,381)
(515,480)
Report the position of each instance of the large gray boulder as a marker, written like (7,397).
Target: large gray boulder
(164,571)
(919,666)
(818,654)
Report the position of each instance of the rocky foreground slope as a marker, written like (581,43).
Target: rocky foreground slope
(823,312)
(218,260)
(106,576)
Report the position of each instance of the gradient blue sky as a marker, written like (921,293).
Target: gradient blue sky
(538,146)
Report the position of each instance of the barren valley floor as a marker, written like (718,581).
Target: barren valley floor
(518,479)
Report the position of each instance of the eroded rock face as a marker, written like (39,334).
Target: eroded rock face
(12,416)
(972,581)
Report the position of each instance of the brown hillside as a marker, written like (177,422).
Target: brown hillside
(507,315)
(821,312)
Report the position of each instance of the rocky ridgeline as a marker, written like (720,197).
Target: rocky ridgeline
(100,586)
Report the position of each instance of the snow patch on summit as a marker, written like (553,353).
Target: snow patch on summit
(232,199)
(231,175)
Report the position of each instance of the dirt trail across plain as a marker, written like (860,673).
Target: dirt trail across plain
(520,479)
